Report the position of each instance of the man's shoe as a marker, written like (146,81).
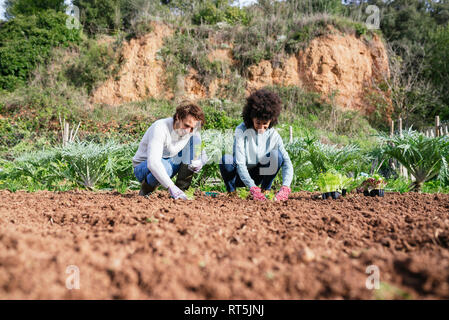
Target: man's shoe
(145,188)
(184,178)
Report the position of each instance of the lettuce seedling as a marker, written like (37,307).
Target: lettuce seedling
(243,193)
(190,193)
(270,195)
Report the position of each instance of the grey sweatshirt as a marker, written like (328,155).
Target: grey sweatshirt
(251,148)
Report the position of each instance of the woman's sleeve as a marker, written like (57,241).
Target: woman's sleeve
(287,167)
(240,159)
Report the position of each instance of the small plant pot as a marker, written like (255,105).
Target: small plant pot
(343,192)
(377,193)
(335,194)
(381,192)
(326,195)
(366,193)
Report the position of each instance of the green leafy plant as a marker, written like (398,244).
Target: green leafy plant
(400,185)
(243,193)
(423,157)
(26,41)
(270,195)
(329,181)
(381,183)
(190,193)
(333,181)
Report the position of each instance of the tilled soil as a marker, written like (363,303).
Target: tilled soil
(130,247)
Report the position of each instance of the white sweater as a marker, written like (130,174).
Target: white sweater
(161,141)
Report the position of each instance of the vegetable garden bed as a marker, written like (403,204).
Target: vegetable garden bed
(132,247)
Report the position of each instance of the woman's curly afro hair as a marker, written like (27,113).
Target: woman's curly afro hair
(264,105)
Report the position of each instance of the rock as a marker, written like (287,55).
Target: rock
(306,255)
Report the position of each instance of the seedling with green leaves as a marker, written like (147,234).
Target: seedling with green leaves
(243,193)
(270,195)
(190,193)
(332,181)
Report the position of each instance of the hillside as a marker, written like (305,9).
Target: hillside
(344,64)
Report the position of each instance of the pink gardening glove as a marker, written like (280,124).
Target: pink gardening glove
(257,193)
(283,194)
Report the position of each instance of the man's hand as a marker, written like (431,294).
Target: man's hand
(283,194)
(177,193)
(257,194)
(196,165)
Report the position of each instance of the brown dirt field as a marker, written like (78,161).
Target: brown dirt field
(130,247)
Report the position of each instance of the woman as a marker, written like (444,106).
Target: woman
(258,151)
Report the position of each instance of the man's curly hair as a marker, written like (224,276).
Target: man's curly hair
(262,104)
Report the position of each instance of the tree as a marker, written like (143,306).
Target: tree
(414,97)
(103,16)
(439,64)
(30,7)
(26,41)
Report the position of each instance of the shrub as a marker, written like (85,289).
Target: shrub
(95,64)
(213,12)
(424,157)
(26,41)
(218,118)
(79,164)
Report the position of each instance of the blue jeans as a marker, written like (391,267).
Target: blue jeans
(171,165)
(228,170)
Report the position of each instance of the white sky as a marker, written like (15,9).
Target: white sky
(2,10)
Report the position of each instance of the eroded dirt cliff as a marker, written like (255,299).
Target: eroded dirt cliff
(347,67)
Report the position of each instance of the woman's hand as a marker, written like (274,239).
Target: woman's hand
(257,193)
(283,194)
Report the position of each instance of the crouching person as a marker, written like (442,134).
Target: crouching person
(168,148)
(258,151)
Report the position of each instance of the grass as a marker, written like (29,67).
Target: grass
(388,291)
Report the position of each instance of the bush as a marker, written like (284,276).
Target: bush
(35,108)
(80,164)
(30,7)
(95,64)
(424,157)
(189,49)
(213,12)
(103,16)
(217,116)
(26,41)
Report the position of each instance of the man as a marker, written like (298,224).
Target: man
(167,148)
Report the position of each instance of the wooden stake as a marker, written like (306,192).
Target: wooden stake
(291,134)
(391,129)
(437,126)
(402,171)
(66,133)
